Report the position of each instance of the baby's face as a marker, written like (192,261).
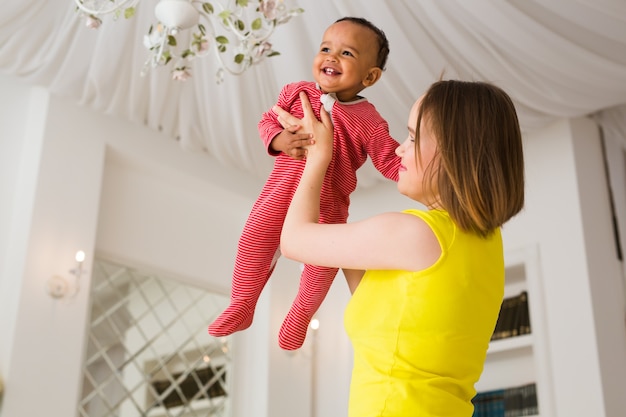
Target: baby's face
(346,55)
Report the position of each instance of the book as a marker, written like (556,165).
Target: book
(507,402)
(524,325)
(504,317)
(513,318)
(489,404)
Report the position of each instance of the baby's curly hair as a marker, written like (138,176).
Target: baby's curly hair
(383,43)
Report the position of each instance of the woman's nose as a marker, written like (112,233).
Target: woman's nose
(400,148)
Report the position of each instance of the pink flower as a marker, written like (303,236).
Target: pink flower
(268,8)
(92,22)
(181,74)
(203,47)
(263,49)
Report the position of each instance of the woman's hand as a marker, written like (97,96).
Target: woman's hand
(321,147)
(385,241)
(304,211)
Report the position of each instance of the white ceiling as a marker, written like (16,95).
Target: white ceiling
(556,59)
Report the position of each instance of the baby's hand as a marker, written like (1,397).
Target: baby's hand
(291,143)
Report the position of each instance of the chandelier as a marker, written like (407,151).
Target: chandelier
(237,33)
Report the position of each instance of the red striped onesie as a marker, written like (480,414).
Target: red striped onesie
(359,131)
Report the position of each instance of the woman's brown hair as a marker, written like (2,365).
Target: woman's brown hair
(479,170)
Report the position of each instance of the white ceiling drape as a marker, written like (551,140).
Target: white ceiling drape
(556,59)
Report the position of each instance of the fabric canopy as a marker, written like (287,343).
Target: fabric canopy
(555,58)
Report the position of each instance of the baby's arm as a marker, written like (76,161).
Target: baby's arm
(381,148)
(269,129)
(282,139)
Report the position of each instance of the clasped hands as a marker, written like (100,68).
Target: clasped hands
(294,142)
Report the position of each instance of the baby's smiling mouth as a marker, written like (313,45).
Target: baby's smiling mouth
(330,71)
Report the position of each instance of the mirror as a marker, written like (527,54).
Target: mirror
(148,349)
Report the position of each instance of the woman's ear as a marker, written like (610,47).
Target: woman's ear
(372,76)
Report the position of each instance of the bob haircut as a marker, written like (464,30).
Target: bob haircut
(478,171)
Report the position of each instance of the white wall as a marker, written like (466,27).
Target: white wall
(567,216)
(156,217)
(114,188)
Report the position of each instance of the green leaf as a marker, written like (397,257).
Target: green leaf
(273,53)
(186,53)
(239,58)
(240,25)
(129,12)
(242,3)
(221,48)
(167,56)
(224,15)
(207,7)
(202,29)
(171,40)
(256,24)
(221,39)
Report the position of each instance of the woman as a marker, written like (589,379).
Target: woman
(421,318)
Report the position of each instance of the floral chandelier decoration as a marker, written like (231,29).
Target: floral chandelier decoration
(190,29)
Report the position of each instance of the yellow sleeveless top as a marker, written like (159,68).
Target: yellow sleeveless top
(420,338)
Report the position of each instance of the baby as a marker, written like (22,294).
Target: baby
(351,57)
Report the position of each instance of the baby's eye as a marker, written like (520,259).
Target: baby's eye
(324,49)
(347,53)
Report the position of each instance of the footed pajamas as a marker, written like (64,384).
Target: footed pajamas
(359,131)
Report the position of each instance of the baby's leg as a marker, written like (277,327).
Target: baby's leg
(257,254)
(315,282)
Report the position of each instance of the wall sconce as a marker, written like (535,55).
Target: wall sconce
(59,287)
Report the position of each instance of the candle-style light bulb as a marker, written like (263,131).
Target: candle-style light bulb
(80,256)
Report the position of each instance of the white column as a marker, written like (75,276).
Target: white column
(603,269)
(60,172)
(22,116)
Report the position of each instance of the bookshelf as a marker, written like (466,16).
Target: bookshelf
(519,361)
(511,344)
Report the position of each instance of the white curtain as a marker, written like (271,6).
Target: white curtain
(556,58)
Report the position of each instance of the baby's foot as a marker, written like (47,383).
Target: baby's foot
(238,316)
(293,330)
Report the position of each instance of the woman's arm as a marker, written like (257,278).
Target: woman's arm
(385,241)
